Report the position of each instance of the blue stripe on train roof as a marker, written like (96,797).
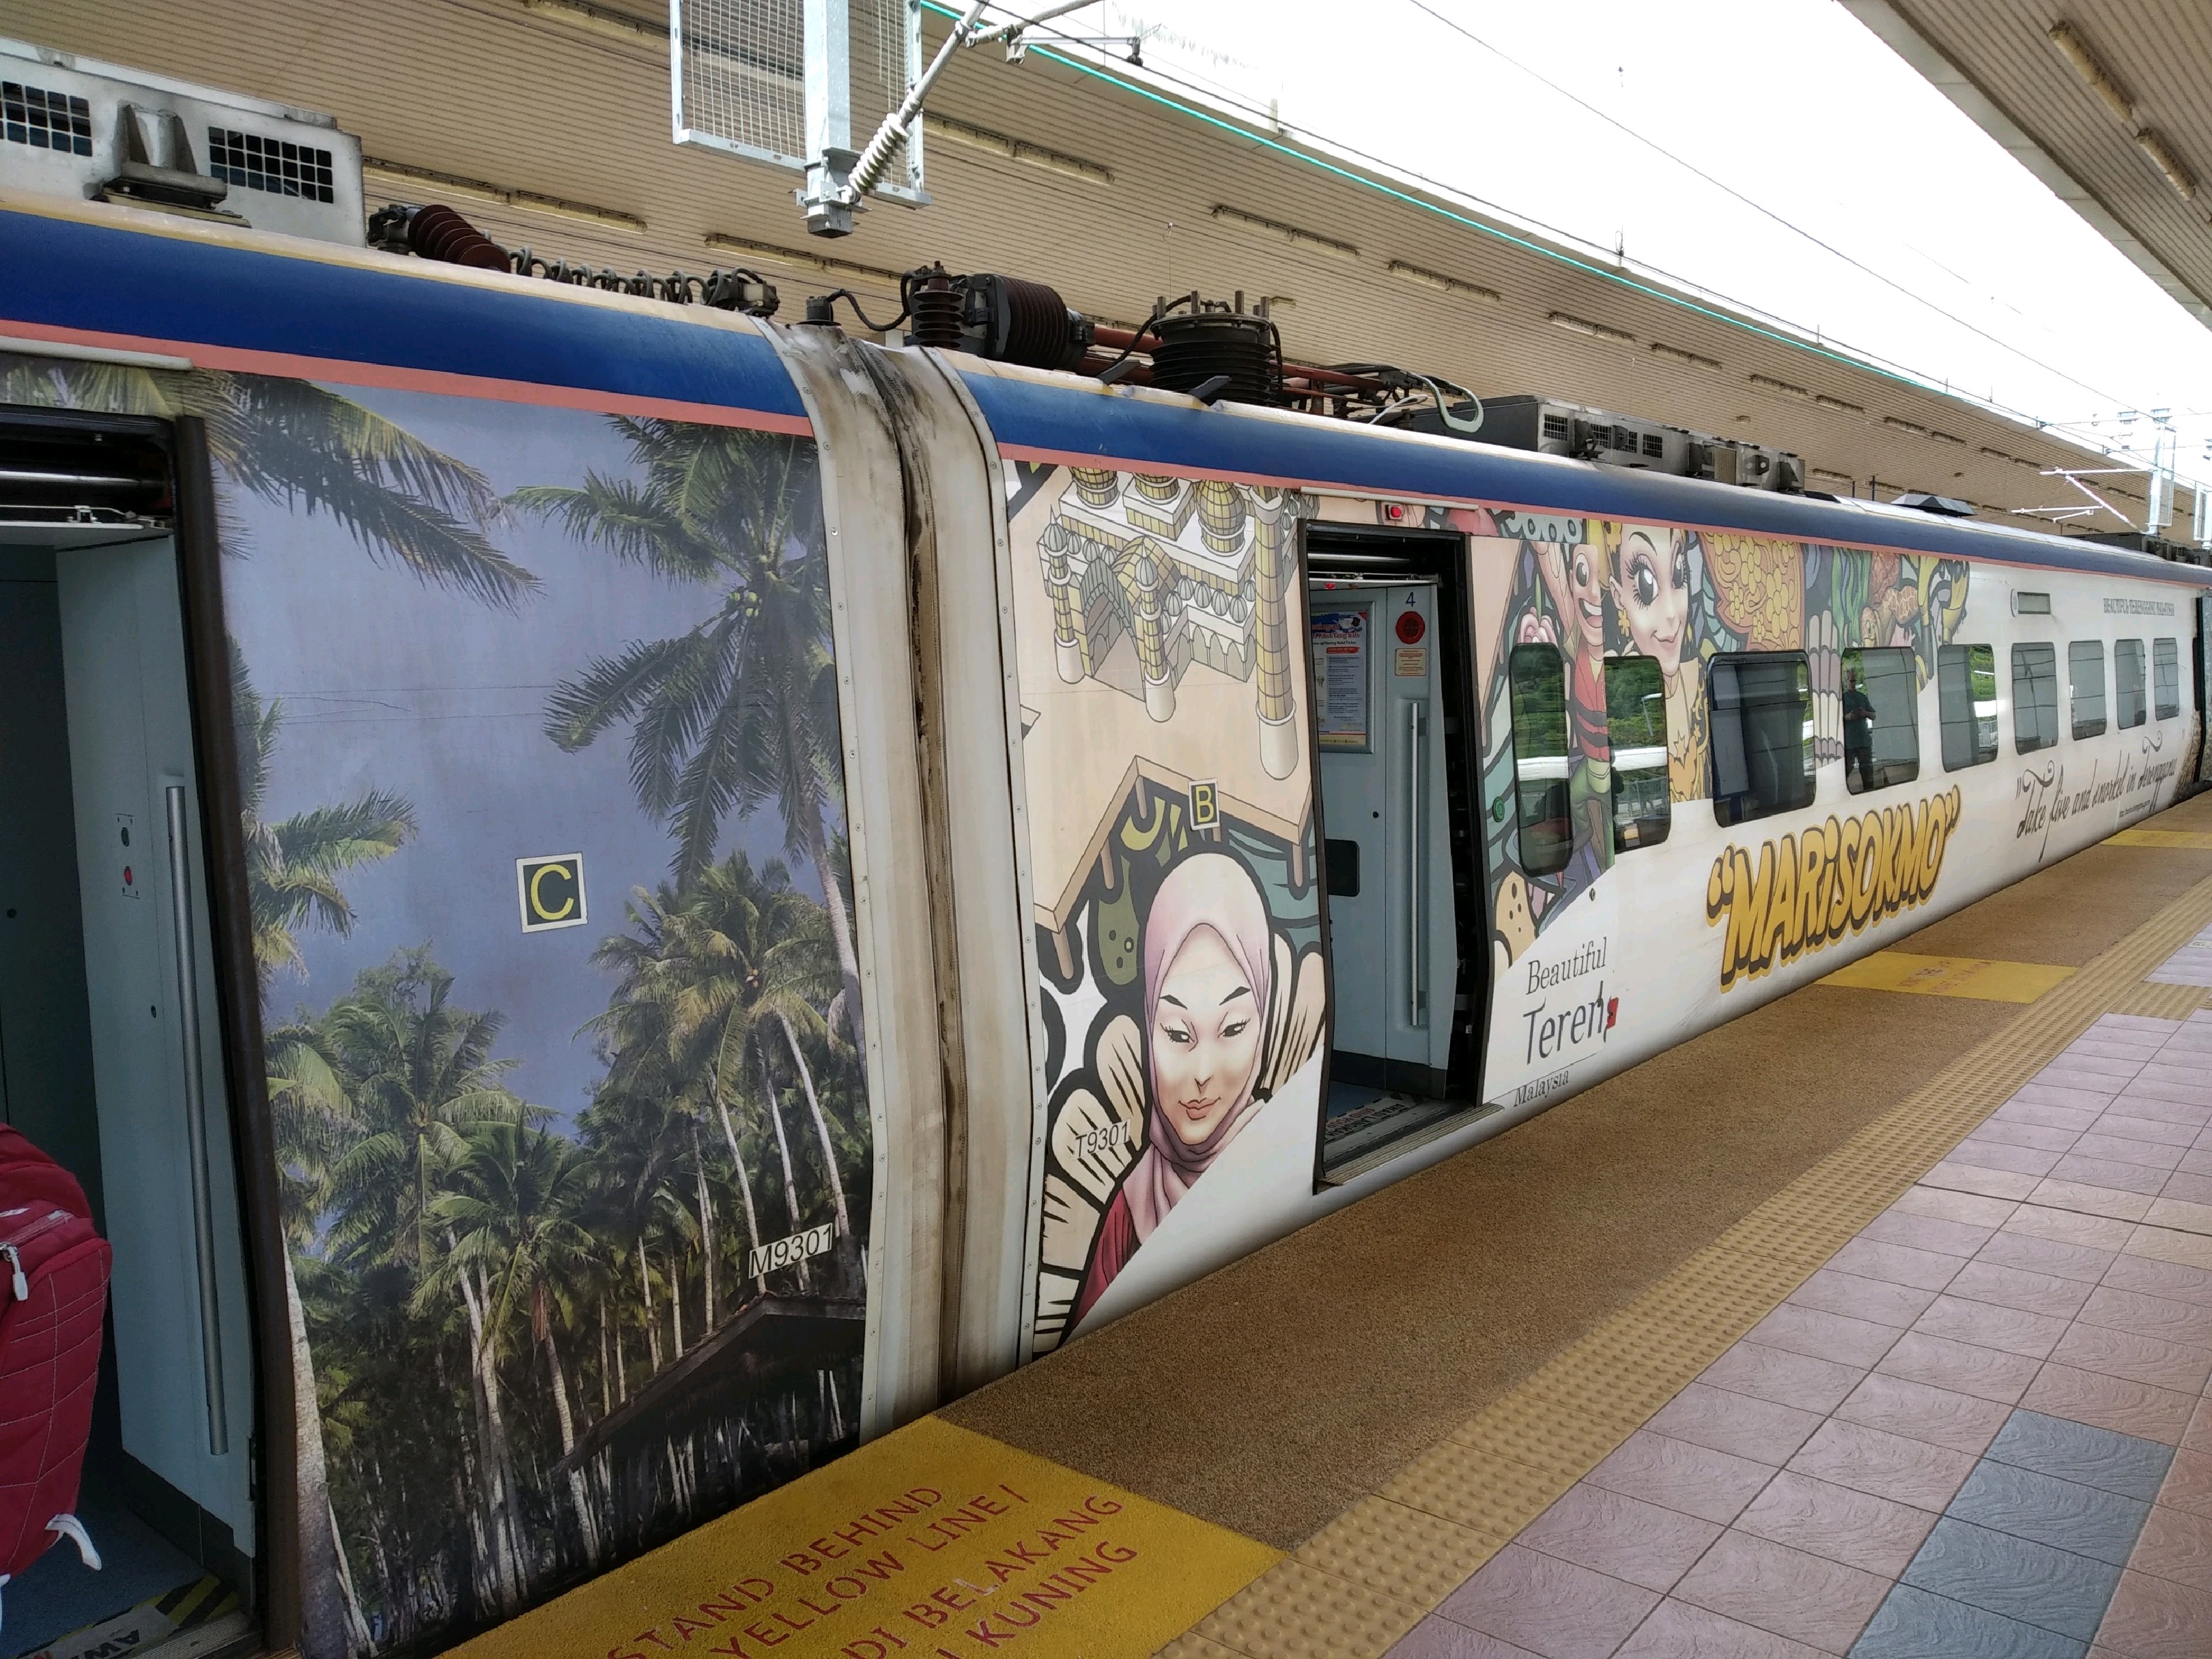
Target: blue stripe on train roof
(63,273)
(1083,421)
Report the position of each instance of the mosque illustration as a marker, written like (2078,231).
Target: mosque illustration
(1149,573)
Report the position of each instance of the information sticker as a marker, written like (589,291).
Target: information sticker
(1339,640)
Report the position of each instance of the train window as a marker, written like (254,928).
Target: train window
(1966,694)
(1545,815)
(2085,676)
(2165,680)
(1881,718)
(2130,704)
(1635,723)
(2034,697)
(1762,736)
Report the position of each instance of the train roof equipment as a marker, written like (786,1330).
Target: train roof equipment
(79,128)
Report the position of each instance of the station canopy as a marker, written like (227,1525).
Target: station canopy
(2105,100)
(548,123)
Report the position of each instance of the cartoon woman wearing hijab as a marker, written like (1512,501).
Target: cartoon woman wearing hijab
(1652,569)
(1210,964)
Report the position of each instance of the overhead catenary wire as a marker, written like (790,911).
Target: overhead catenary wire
(1779,332)
(1756,206)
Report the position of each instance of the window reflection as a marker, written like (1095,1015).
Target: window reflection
(1967,695)
(2085,681)
(1881,719)
(2034,697)
(1636,717)
(1541,805)
(2130,704)
(1762,736)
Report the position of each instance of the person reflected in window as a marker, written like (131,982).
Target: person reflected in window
(1859,729)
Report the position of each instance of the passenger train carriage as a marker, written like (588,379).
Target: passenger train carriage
(699,887)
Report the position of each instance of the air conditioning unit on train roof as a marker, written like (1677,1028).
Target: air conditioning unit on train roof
(1553,427)
(70,126)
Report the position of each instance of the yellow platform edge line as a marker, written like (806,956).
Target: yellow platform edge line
(2195,840)
(1391,1557)
(1977,977)
(933,1540)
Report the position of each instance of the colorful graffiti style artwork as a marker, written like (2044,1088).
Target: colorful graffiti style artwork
(1165,748)
(1596,590)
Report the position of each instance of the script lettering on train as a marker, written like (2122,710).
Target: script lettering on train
(1806,890)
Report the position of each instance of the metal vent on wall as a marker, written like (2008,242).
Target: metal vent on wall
(741,80)
(281,168)
(46,121)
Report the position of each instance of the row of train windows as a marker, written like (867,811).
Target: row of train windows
(1762,733)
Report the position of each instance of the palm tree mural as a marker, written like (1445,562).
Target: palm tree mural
(422,1079)
(512,1221)
(521,1340)
(293,867)
(304,448)
(743,708)
(718,984)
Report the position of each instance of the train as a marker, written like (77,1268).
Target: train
(700,886)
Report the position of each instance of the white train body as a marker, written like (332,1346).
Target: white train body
(1195,818)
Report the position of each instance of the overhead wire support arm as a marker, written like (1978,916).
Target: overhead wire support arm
(838,182)
(877,154)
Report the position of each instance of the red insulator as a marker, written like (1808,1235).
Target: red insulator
(437,231)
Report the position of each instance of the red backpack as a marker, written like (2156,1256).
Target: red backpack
(53,1297)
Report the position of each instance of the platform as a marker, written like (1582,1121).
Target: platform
(1877,1323)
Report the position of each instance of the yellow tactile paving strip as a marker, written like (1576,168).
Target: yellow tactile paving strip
(1949,976)
(1364,1580)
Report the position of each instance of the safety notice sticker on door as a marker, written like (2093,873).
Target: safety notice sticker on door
(1339,640)
(552,891)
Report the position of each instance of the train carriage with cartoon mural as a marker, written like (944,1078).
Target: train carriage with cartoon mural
(701,885)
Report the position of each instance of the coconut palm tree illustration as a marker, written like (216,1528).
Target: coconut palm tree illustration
(713,980)
(293,865)
(511,1218)
(301,446)
(626,1133)
(675,991)
(312,1116)
(743,708)
(421,1076)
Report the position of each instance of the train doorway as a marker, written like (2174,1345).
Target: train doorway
(112,1059)
(1388,637)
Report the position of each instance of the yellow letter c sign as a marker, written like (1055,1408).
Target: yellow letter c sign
(551,890)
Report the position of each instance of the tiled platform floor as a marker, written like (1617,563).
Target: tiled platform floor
(1981,1429)
(2191,965)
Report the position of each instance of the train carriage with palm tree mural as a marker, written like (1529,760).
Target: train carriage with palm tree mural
(714,885)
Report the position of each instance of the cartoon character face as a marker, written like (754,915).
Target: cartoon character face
(1586,592)
(1652,585)
(1942,600)
(1205,1037)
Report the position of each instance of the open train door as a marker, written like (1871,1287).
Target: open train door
(2201,770)
(1391,682)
